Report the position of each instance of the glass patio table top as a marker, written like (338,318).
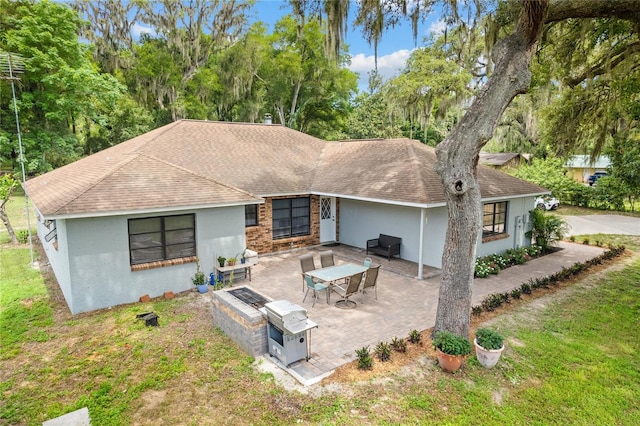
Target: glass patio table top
(337,272)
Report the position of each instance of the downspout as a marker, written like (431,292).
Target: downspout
(423,219)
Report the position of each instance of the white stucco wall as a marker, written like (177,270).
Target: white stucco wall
(362,220)
(517,224)
(98,258)
(57,257)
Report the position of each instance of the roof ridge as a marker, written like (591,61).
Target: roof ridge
(195,120)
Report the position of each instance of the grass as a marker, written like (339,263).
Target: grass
(568,361)
(568,210)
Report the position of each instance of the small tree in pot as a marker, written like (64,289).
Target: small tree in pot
(451,350)
(489,346)
(199,279)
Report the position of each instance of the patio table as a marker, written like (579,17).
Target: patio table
(337,272)
(334,273)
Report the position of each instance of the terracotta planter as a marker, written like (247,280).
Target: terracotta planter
(449,363)
(487,357)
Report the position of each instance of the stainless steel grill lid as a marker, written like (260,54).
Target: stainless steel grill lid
(289,317)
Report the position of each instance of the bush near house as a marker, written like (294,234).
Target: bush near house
(493,263)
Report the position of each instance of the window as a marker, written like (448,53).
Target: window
(291,217)
(251,215)
(494,218)
(162,238)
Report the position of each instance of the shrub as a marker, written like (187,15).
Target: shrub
(476,310)
(383,351)
(491,302)
(451,344)
(516,293)
(489,339)
(585,241)
(22,235)
(399,345)
(525,288)
(546,229)
(365,361)
(414,336)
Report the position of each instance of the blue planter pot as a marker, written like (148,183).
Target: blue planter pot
(203,288)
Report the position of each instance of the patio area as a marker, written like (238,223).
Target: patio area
(404,303)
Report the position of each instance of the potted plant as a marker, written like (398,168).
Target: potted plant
(199,279)
(232,261)
(221,260)
(489,346)
(242,257)
(451,350)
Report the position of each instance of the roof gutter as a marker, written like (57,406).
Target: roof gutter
(155,210)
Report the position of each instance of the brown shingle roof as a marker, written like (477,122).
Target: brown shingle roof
(401,170)
(197,163)
(497,158)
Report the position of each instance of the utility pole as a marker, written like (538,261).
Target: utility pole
(10,65)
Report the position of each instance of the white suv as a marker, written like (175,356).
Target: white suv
(546,202)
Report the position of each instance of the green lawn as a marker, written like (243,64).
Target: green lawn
(573,361)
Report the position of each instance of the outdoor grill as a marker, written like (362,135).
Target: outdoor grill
(287,331)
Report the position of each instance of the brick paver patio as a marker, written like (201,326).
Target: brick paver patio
(404,303)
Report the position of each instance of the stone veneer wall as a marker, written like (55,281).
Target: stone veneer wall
(260,238)
(242,323)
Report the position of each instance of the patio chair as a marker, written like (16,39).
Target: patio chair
(347,290)
(316,287)
(306,264)
(367,262)
(326,258)
(371,280)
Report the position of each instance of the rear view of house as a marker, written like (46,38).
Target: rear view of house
(133,219)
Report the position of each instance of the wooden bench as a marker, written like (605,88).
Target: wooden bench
(385,245)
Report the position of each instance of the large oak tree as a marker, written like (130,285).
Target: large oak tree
(457,155)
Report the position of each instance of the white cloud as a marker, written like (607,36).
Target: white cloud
(437,28)
(138,29)
(388,65)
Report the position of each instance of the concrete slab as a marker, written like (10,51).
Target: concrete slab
(75,418)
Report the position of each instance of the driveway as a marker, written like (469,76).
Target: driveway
(603,224)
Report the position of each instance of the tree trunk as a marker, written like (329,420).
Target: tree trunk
(7,223)
(457,159)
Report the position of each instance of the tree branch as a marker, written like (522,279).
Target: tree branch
(605,64)
(566,9)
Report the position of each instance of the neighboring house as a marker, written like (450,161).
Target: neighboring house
(501,160)
(580,167)
(132,219)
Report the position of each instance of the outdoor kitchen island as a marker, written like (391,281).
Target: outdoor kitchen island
(260,326)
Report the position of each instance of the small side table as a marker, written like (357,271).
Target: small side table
(239,270)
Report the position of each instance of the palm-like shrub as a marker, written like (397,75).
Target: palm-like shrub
(546,229)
